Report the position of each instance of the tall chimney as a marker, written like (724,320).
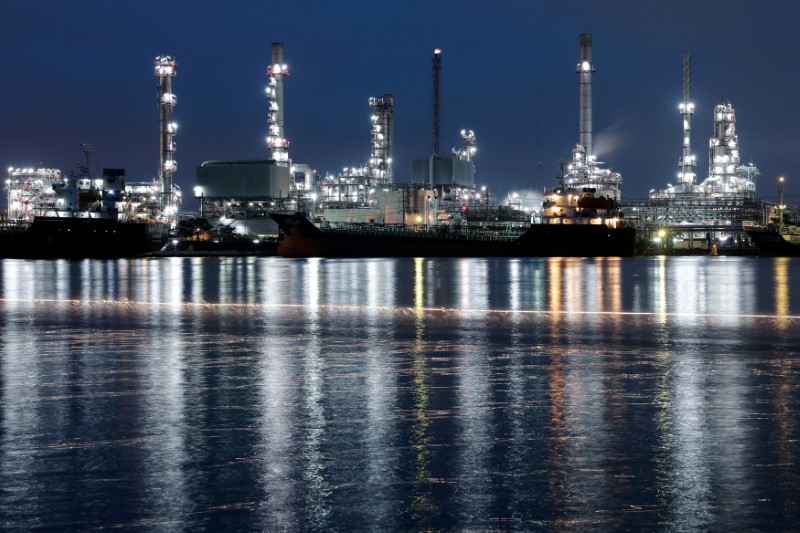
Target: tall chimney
(585,69)
(276,138)
(436,67)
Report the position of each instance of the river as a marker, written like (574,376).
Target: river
(400,394)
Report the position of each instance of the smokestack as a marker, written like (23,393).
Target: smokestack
(436,67)
(277,59)
(276,138)
(585,69)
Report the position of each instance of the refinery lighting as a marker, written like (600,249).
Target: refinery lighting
(165,70)
(380,163)
(276,140)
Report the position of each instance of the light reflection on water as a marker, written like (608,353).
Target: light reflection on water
(399,394)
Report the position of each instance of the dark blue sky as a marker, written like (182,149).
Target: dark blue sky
(82,72)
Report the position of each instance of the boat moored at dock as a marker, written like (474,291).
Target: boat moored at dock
(302,238)
(78,237)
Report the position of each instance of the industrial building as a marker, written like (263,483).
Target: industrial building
(240,193)
(694,216)
(451,175)
(35,192)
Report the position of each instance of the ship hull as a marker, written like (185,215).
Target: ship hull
(772,244)
(302,239)
(78,238)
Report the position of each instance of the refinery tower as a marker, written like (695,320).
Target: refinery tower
(236,195)
(584,171)
(694,216)
(452,174)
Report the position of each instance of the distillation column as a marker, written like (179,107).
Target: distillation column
(687,176)
(723,151)
(276,140)
(585,70)
(165,67)
(380,161)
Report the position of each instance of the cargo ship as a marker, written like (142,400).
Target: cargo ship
(574,221)
(770,243)
(301,238)
(79,216)
(73,237)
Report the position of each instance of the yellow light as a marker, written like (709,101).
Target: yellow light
(661,233)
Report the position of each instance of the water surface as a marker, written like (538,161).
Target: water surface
(400,394)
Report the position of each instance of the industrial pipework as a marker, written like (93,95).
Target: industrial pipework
(723,150)
(468,150)
(380,161)
(276,140)
(585,70)
(165,67)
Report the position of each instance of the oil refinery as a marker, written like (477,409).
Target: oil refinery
(708,215)
(691,216)
(47,192)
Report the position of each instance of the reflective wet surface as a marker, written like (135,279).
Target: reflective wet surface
(400,394)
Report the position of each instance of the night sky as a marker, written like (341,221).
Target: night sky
(82,72)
